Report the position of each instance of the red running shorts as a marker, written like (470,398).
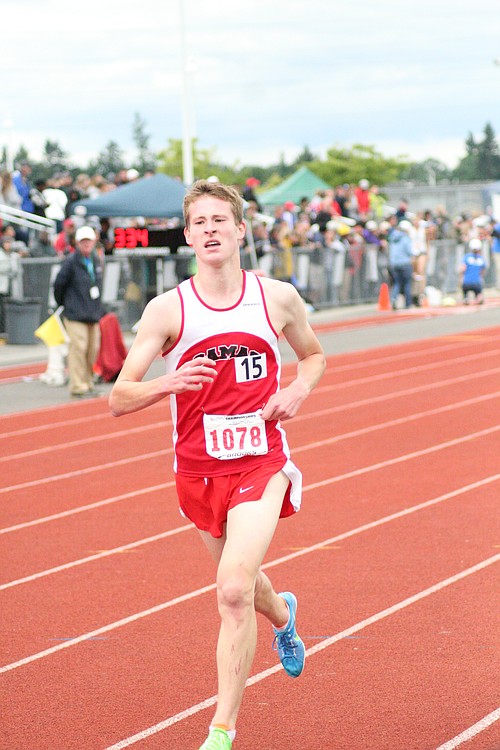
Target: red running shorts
(206,501)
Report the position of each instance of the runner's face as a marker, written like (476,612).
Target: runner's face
(212,231)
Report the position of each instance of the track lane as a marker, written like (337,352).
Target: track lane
(92,429)
(106,599)
(92,412)
(44,485)
(20,545)
(365,503)
(142,676)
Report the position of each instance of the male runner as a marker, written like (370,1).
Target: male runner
(218,332)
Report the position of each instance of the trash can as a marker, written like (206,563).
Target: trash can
(22,318)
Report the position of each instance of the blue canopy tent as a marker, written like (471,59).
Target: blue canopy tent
(157,196)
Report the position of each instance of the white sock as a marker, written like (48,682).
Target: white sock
(282,629)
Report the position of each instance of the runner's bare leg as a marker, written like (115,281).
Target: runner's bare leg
(242,589)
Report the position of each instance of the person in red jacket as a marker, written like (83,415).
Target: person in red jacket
(65,243)
(362,194)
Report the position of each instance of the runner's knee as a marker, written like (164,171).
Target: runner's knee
(235,591)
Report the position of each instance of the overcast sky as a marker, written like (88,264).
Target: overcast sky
(268,76)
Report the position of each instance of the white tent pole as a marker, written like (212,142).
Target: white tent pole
(187,138)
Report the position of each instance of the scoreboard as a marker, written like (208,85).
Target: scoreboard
(136,238)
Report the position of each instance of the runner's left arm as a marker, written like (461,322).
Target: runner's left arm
(289,307)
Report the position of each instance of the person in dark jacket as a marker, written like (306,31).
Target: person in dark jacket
(78,288)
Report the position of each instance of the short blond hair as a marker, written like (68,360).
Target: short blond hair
(227,193)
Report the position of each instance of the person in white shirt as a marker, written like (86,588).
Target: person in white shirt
(56,203)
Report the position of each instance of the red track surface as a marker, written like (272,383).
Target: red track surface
(108,608)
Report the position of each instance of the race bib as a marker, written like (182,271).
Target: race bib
(249,368)
(235,435)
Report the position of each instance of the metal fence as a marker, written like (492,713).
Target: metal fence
(326,278)
(323,277)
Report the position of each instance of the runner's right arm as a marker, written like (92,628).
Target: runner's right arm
(158,330)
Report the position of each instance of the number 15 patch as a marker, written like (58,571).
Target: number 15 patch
(252,367)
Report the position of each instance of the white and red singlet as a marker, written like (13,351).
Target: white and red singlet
(218,430)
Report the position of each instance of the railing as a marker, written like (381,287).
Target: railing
(323,277)
(327,278)
(26,219)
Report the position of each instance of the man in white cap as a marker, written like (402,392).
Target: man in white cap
(78,288)
(473,269)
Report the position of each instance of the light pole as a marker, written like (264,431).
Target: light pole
(187,134)
(9,149)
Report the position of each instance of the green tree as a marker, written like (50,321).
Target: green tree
(467,169)
(54,159)
(488,156)
(305,157)
(481,160)
(344,165)
(428,172)
(205,163)
(146,159)
(54,155)
(109,160)
(21,155)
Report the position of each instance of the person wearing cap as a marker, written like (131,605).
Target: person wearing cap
(401,262)
(65,242)
(77,288)
(289,213)
(473,269)
(249,192)
(362,196)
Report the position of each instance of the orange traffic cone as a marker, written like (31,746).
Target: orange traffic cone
(384,300)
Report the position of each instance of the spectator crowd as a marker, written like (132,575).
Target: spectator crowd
(350,227)
(342,230)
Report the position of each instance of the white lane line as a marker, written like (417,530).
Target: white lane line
(58,447)
(471,732)
(366,361)
(87,470)
(408,370)
(166,451)
(63,423)
(392,395)
(187,527)
(84,508)
(271,564)
(145,733)
(107,628)
(299,418)
(405,457)
(96,556)
(298,449)
(308,446)
(386,519)
(398,421)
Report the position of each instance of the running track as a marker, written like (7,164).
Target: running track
(108,607)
